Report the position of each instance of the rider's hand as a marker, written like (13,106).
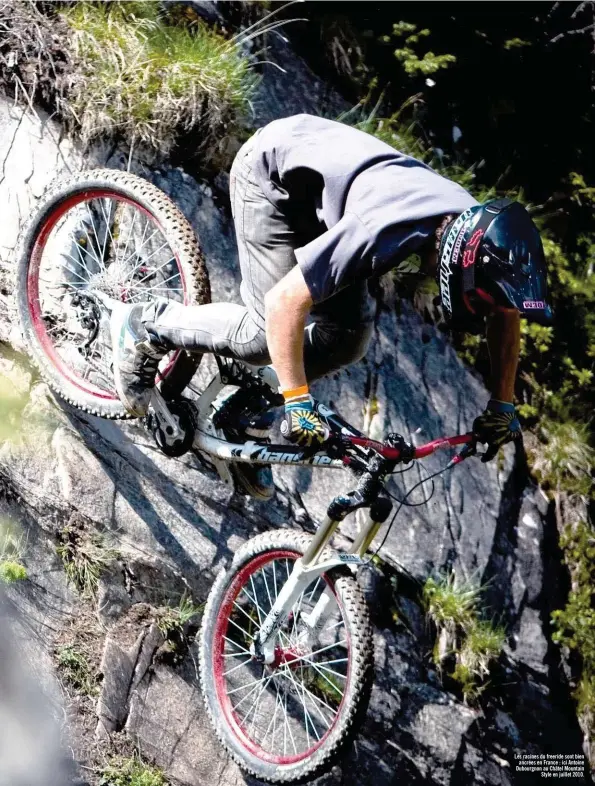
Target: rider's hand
(301,422)
(496,426)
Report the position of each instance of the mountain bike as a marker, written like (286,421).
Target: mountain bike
(286,642)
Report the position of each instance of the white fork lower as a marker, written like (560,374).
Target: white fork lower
(300,579)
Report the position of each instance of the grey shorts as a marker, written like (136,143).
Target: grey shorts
(339,329)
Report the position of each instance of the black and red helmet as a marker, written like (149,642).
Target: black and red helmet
(490,258)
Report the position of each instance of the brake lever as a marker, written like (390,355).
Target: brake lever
(470,449)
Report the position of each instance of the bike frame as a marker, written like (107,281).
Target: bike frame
(313,563)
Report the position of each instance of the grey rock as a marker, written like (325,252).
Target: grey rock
(168,719)
(117,668)
(175,527)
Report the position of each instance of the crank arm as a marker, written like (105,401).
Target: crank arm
(160,407)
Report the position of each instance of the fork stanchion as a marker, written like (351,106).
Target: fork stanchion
(380,510)
(319,542)
(365,537)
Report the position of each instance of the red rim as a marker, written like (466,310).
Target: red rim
(221,628)
(33,286)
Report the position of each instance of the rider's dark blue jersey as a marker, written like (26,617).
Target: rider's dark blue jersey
(362,205)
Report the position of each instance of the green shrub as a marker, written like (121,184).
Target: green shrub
(412,63)
(564,460)
(12,571)
(136,78)
(574,625)
(11,555)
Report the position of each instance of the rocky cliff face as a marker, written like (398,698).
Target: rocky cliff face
(164,527)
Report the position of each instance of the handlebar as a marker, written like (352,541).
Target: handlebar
(408,452)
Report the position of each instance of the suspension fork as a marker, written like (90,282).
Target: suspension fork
(310,567)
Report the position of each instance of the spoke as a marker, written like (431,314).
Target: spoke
(336,625)
(335,660)
(307,716)
(285,636)
(160,285)
(125,258)
(245,613)
(247,696)
(305,709)
(51,296)
(243,687)
(316,652)
(235,644)
(316,698)
(235,654)
(275,579)
(266,584)
(81,259)
(289,727)
(311,696)
(256,602)
(257,703)
(157,269)
(130,232)
(152,254)
(315,588)
(154,289)
(324,677)
(272,722)
(99,262)
(51,331)
(57,283)
(235,668)
(74,273)
(136,251)
(326,668)
(239,627)
(107,227)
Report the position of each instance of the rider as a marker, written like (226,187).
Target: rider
(319,208)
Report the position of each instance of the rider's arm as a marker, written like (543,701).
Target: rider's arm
(286,306)
(503,335)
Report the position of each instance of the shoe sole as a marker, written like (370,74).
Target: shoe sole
(117,341)
(250,489)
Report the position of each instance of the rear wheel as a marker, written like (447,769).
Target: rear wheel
(110,232)
(286,722)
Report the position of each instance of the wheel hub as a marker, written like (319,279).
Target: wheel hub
(287,656)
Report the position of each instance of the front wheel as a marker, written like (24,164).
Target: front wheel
(286,722)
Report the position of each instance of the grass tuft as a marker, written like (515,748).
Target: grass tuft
(85,557)
(75,669)
(463,638)
(131,772)
(173,619)
(11,555)
(139,79)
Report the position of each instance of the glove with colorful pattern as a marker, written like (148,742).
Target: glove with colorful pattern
(496,426)
(301,422)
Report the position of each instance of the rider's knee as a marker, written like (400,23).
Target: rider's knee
(359,341)
(256,351)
